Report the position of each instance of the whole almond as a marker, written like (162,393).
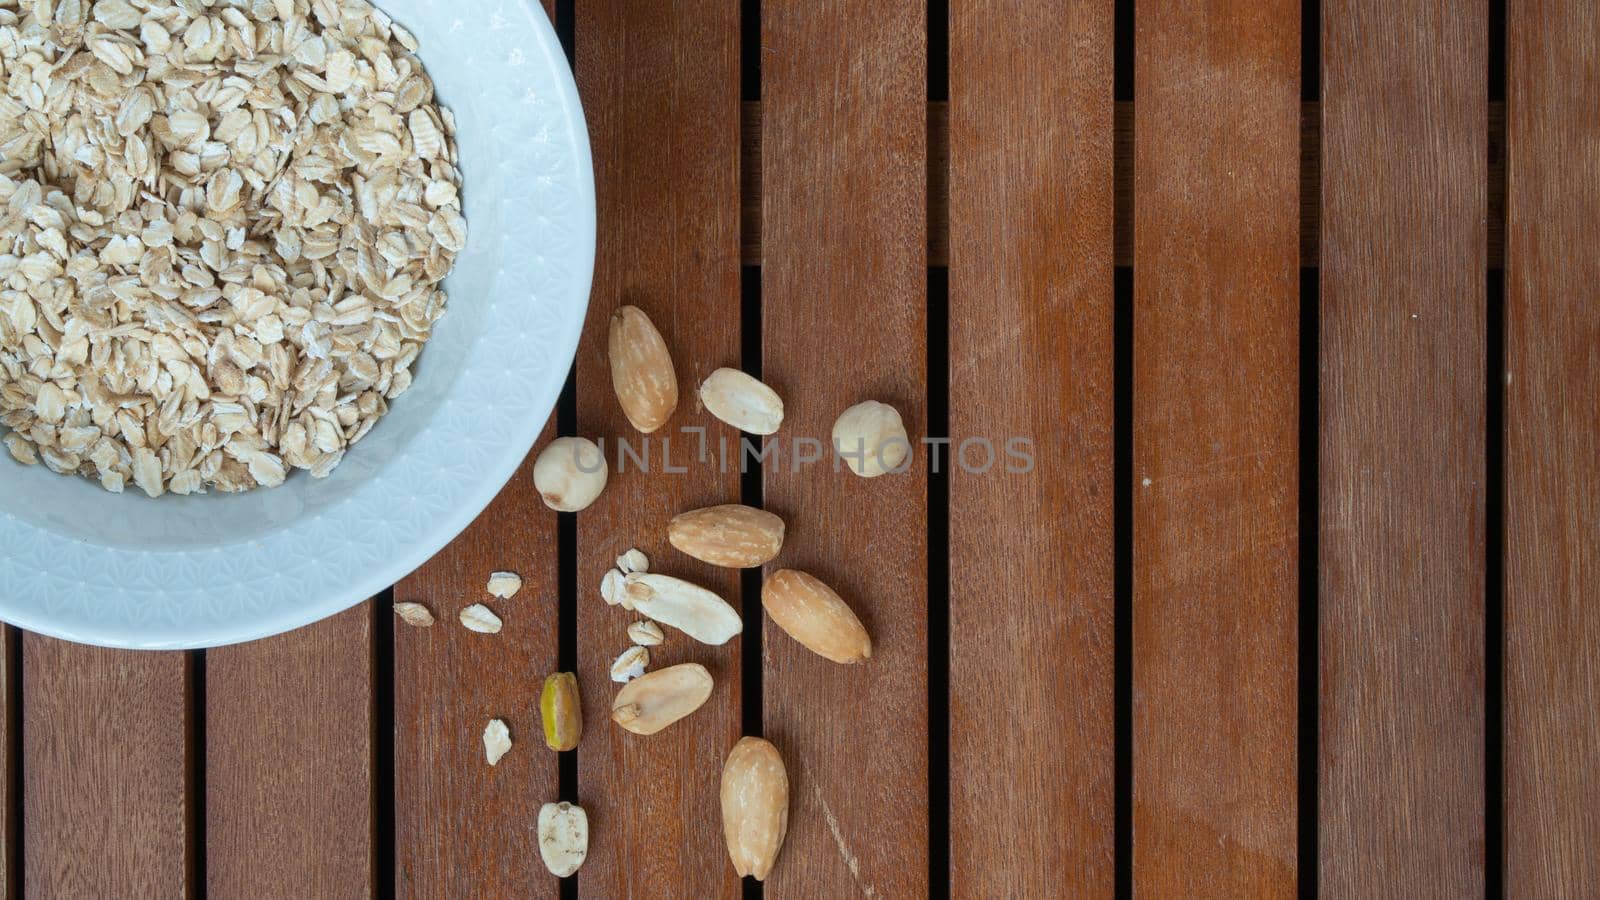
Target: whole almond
(691,609)
(755,806)
(742,401)
(641,370)
(561,711)
(734,536)
(651,702)
(815,616)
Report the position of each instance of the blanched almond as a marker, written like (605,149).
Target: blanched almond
(691,609)
(815,616)
(641,370)
(871,438)
(731,535)
(755,806)
(570,473)
(742,401)
(651,702)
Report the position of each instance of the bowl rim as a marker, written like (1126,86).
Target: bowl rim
(372,581)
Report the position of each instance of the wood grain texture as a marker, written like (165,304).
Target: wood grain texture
(1552,463)
(1215,512)
(844,319)
(1402,447)
(289,762)
(1031,213)
(939,192)
(463,827)
(660,82)
(106,769)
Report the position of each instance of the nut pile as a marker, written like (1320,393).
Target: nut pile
(222,233)
(570,474)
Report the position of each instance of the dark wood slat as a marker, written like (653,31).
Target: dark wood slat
(660,83)
(1216,420)
(1402,455)
(289,761)
(463,827)
(105,768)
(938,187)
(10,753)
(1031,213)
(1552,708)
(844,294)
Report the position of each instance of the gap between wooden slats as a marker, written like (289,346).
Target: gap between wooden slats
(939,189)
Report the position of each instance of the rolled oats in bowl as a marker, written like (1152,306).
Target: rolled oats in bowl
(223,228)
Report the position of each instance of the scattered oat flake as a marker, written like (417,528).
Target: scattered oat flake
(504,585)
(481,619)
(630,665)
(633,561)
(646,634)
(611,587)
(413,614)
(496,740)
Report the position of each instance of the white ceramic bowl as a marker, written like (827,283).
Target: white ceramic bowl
(127,571)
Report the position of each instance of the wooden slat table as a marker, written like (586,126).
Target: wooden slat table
(1293,310)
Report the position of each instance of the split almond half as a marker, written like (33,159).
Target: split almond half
(815,616)
(641,370)
(742,401)
(733,536)
(691,609)
(651,702)
(755,806)
(563,837)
